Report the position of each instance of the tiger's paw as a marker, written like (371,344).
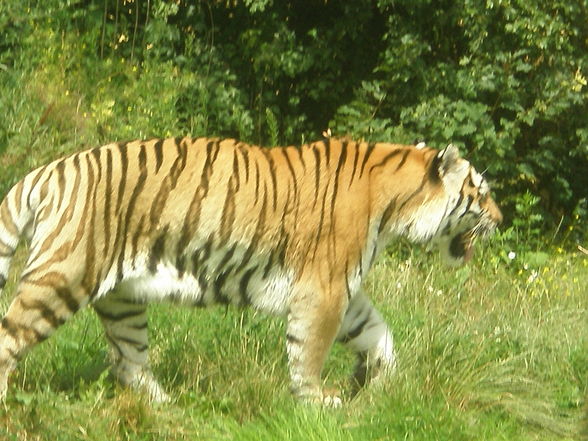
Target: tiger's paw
(330,398)
(314,395)
(332,401)
(157,395)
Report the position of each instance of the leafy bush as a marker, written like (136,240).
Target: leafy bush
(503,79)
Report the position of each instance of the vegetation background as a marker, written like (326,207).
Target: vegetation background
(495,350)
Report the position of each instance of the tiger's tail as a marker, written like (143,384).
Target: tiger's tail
(16,215)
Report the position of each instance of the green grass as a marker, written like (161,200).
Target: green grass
(486,352)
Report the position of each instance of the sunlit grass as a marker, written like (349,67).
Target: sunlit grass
(484,353)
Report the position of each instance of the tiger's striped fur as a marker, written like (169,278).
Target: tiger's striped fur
(292,231)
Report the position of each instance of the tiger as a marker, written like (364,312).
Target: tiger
(292,231)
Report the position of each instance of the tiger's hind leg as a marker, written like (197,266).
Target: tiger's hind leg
(40,306)
(365,332)
(125,324)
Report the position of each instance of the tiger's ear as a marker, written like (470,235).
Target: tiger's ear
(448,159)
(447,164)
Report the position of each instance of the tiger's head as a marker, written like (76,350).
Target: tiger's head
(433,196)
(470,211)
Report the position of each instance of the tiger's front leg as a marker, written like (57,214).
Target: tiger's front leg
(313,323)
(364,331)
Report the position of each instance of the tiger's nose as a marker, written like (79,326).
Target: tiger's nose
(496,213)
(492,209)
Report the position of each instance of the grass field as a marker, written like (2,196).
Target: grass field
(497,350)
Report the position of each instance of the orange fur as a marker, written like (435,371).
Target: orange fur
(289,230)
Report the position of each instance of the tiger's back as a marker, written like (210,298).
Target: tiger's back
(289,230)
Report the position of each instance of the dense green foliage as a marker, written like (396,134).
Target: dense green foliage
(503,79)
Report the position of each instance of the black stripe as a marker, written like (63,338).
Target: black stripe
(89,278)
(131,205)
(13,354)
(355,332)
(317,171)
(414,193)
(107,200)
(222,276)
(244,285)
(138,326)
(138,345)
(374,254)
(387,214)
(355,159)
(200,256)
(244,261)
(67,297)
(136,236)
(272,170)
(39,336)
(46,313)
(226,258)
(468,204)
(292,339)
(2,281)
(116,316)
(7,219)
(97,152)
(327,144)
(385,160)
(114,345)
(202,282)
(281,248)
(347,286)
(10,327)
(19,189)
(117,240)
(256,181)
(60,167)
(245,155)
(235,176)
(228,213)
(291,169)
(321,221)
(342,159)
(158,148)
(268,266)
(403,160)
(87,200)
(124,165)
(256,236)
(370,149)
(157,251)
(433,172)
(212,150)
(181,265)
(179,164)
(457,205)
(33,185)
(208,163)
(185,237)
(219,283)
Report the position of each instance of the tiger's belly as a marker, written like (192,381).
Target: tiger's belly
(224,279)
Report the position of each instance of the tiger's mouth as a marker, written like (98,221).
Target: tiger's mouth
(462,246)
